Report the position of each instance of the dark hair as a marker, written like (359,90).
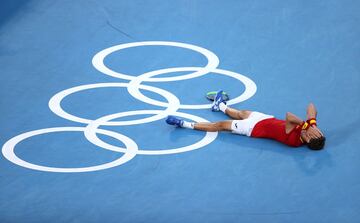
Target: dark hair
(317,144)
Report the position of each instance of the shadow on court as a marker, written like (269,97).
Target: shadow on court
(308,161)
(10,8)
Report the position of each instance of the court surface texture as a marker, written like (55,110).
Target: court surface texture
(86,87)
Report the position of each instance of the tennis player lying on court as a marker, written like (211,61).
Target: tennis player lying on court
(292,131)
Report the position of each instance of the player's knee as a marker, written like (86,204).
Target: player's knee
(243,114)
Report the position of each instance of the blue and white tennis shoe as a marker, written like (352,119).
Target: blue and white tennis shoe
(217,100)
(172,120)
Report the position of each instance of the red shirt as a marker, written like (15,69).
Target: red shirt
(273,128)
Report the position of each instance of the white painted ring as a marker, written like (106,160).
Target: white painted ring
(92,129)
(250,87)
(98,60)
(172,105)
(9,153)
(55,103)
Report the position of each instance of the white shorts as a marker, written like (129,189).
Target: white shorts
(245,126)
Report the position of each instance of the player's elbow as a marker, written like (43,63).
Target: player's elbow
(288,115)
(311,111)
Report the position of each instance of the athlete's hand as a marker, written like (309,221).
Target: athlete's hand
(314,132)
(317,129)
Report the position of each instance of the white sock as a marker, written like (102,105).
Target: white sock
(189,125)
(222,107)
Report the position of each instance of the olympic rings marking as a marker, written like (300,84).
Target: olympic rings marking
(55,103)
(9,146)
(250,87)
(98,60)
(133,87)
(92,128)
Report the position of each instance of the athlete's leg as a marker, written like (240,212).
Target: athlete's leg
(220,105)
(202,126)
(237,114)
(214,126)
(236,126)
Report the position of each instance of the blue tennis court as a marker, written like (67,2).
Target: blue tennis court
(86,87)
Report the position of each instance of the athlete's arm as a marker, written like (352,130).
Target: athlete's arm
(291,121)
(311,111)
(313,131)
